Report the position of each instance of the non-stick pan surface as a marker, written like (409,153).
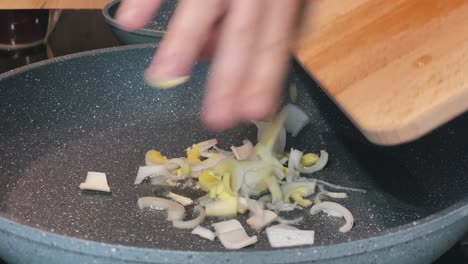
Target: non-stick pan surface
(93,112)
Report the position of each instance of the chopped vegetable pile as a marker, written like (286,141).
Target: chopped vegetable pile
(232,179)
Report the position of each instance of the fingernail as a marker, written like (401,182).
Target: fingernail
(163,82)
(167,71)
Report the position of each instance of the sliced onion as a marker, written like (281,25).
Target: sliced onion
(335,209)
(204,233)
(255,207)
(280,143)
(204,200)
(316,167)
(206,164)
(207,144)
(277,207)
(296,119)
(175,163)
(318,197)
(283,227)
(253,184)
(175,211)
(224,152)
(207,154)
(336,195)
(259,221)
(278,171)
(149,161)
(294,159)
(281,206)
(264,199)
(274,188)
(153,171)
(242,205)
(290,221)
(237,178)
(287,237)
(231,165)
(293,92)
(222,208)
(95,181)
(232,235)
(180,199)
(323,192)
(259,217)
(335,186)
(191,223)
(283,160)
(288,189)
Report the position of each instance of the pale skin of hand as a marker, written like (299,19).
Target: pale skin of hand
(249,42)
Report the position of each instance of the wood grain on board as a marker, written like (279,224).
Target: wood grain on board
(53,4)
(397,68)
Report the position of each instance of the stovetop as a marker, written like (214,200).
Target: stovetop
(93,33)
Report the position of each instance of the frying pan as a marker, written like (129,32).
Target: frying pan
(92,112)
(151,33)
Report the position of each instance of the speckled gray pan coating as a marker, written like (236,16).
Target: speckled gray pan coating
(93,112)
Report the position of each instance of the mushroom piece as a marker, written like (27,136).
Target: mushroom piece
(243,152)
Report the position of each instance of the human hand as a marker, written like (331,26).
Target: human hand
(249,41)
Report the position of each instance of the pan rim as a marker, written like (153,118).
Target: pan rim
(391,237)
(143,31)
(384,239)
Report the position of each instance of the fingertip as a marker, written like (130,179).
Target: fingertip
(127,18)
(257,108)
(218,116)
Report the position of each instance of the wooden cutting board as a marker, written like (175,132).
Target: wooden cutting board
(398,68)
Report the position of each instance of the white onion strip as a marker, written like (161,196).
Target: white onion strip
(321,163)
(175,211)
(338,187)
(296,119)
(281,207)
(232,235)
(294,158)
(224,152)
(336,195)
(175,163)
(283,160)
(189,224)
(290,221)
(289,236)
(259,221)
(278,206)
(153,171)
(204,233)
(280,143)
(207,144)
(180,199)
(207,154)
(335,209)
(206,164)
